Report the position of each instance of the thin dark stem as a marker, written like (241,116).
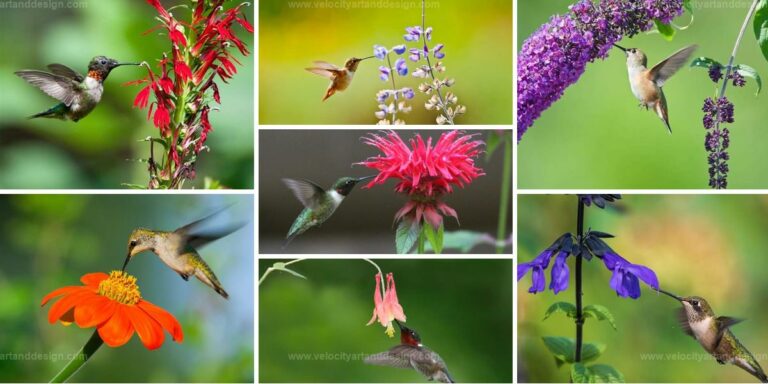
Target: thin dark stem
(429,64)
(394,87)
(579,313)
(506,188)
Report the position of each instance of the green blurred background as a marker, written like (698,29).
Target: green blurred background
(50,241)
(596,136)
(98,151)
(477,37)
(709,246)
(461,308)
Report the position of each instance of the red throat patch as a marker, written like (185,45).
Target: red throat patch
(96,75)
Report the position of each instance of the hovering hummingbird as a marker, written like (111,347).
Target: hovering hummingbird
(178,250)
(698,320)
(78,94)
(412,354)
(647,83)
(340,78)
(319,204)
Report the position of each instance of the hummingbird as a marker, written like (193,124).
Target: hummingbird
(647,83)
(340,78)
(319,204)
(412,354)
(698,320)
(178,250)
(78,94)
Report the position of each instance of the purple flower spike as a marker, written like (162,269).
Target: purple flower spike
(437,50)
(380,52)
(399,49)
(717,140)
(555,56)
(715,73)
(384,73)
(537,265)
(560,273)
(626,276)
(401,67)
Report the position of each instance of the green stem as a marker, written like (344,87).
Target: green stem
(420,242)
(506,187)
(79,359)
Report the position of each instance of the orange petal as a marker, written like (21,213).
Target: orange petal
(93,311)
(118,329)
(149,330)
(59,292)
(66,303)
(68,317)
(93,279)
(164,318)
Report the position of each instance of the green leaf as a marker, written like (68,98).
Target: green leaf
(464,241)
(406,235)
(666,30)
(600,313)
(747,71)
(491,143)
(560,347)
(133,186)
(567,308)
(156,140)
(761,26)
(591,351)
(211,183)
(705,62)
(598,373)
(435,238)
(282,267)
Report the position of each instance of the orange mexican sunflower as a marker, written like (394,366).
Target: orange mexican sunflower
(113,304)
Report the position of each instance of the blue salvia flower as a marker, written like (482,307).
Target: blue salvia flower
(537,267)
(560,273)
(626,276)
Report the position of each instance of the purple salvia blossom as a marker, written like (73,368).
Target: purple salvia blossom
(555,56)
(717,139)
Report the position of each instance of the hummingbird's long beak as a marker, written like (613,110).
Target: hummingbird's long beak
(127,259)
(366,58)
(365,178)
(672,295)
(119,64)
(399,325)
(620,47)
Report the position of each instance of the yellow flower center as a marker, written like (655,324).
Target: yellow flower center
(120,287)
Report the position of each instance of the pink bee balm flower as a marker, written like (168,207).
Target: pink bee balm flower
(386,307)
(426,172)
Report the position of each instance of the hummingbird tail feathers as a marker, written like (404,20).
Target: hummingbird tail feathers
(331,90)
(55,112)
(661,110)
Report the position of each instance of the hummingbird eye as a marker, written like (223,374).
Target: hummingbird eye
(695,302)
(103,62)
(133,243)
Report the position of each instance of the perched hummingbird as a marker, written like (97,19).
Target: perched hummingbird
(340,78)
(319,204)
(78,94)
(411,354)
(646,83)
(713,333)
(178,250)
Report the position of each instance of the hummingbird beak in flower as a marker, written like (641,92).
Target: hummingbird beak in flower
(366,58)
(672,295)
(620,47)
(361,179)
(127,259)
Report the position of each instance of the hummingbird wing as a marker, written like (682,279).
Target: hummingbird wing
(306,191)
(328,73)
(682,317)
(196,237)
(398,356)
(326,65)
(63,70)
(662,71)
(58,87)
(723,323)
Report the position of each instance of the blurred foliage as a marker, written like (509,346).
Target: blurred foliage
(477,37)
(50,241)
(710,246)
(461,308)
(596,136)
(100,151)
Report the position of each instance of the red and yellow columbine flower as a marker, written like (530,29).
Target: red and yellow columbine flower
(113,304)
(386,306)
(426,172)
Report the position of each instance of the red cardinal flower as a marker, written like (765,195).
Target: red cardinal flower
(113,304)
(426,172)
(386,306)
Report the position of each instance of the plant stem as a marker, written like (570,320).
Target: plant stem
(420,242)
(506,187)
(579,313)
(394,87)
(429,64)
(79,359)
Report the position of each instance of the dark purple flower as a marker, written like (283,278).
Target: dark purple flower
(384,73)
(401,67)
(380,52)
(738,79)
(717,140)
(537,266)
(626,276)
(560,273)
(437,51)
(555,56)
(715,73)
(399,49)
(599,200)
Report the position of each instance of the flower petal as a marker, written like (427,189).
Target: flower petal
(66,303)
(93,279)
(539,281)
(645,274)
(59,292)
(149,330)
(93,311)
(522,269)
(118,329)
(165,319)
(377,300)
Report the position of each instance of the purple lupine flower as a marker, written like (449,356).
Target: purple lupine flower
(715,73)
(401,67)
(626,276)
(380,52)
(408,93)
(717,139)
(560,273)
(384,73)
(412,33)
(437,51)
(382,95)
(537,266)
(428,33)
(555,56)
(399,49)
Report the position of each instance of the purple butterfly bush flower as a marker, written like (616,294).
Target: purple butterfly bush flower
(717,140)
(626,276)
(556,55)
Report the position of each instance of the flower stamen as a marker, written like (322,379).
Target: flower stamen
(120,287)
